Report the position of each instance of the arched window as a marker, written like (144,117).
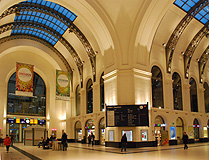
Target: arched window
(89,96)
(177,92)
(78,97)
(102,93)
(193,95)
(206,96)
(157,87)
(20,105)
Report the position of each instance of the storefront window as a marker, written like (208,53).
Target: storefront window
(20,105)
(196,127)
(78,131)
(177,92)
(157,88)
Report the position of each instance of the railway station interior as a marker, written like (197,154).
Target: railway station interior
(135,66)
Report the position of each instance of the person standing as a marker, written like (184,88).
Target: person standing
(92,139)
(7,142)
(185,140)
(123,142)
(12,138)
(64,141)
(89,140)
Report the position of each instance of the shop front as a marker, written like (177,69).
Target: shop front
(89,128)
(159,130)
(196,127)
(16,127)
(179,129)
(78,132)
(102,131)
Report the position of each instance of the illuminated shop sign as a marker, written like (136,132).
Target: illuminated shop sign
(196,126)
(27,121)
(22,121)
(160,125)
(10,120)
(41,122)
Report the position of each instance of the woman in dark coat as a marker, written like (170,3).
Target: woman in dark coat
(185,140)
(64,141)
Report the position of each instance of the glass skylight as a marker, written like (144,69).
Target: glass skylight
(36,16)
(186,5)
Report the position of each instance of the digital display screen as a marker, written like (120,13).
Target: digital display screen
(11,120)
(41,121)
(127,115)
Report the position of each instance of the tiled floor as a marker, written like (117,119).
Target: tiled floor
(83,152)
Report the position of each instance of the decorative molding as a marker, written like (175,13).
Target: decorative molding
(192,47)
(47,44)
(72,27)
(171,45)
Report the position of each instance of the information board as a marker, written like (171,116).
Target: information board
(127,115)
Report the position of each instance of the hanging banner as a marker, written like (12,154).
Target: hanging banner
(24,80)
(62,85)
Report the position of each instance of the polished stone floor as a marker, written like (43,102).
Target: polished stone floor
(199,151)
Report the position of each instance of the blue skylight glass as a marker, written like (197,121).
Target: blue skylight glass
(34,17)
(186,5)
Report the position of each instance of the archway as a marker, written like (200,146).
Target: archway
(196,127)
(78,131)
(102,131)
(179,129)
(159,127)
(89,128)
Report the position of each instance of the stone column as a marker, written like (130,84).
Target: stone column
(83,101)
(201,99)
(168,94)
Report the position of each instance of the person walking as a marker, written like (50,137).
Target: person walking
(123,142)
(185,140)
(7,142)
(64,141)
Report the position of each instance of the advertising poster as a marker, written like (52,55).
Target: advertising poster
(129,135)
(110,135)
(205,131)
(173,132)
(191,132)
(24,80)
(164,137)
(62,85)
(144,135)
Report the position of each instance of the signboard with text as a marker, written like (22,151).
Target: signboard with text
(127,115)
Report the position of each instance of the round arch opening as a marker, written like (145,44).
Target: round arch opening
(160,130)
(179,129)
(102,131)
(196,126)
(78,131)
(89,128)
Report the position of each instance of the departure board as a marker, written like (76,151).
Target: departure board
(127,115)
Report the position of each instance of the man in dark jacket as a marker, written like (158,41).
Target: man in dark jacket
(123,142)
(185,140)
(64,141)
